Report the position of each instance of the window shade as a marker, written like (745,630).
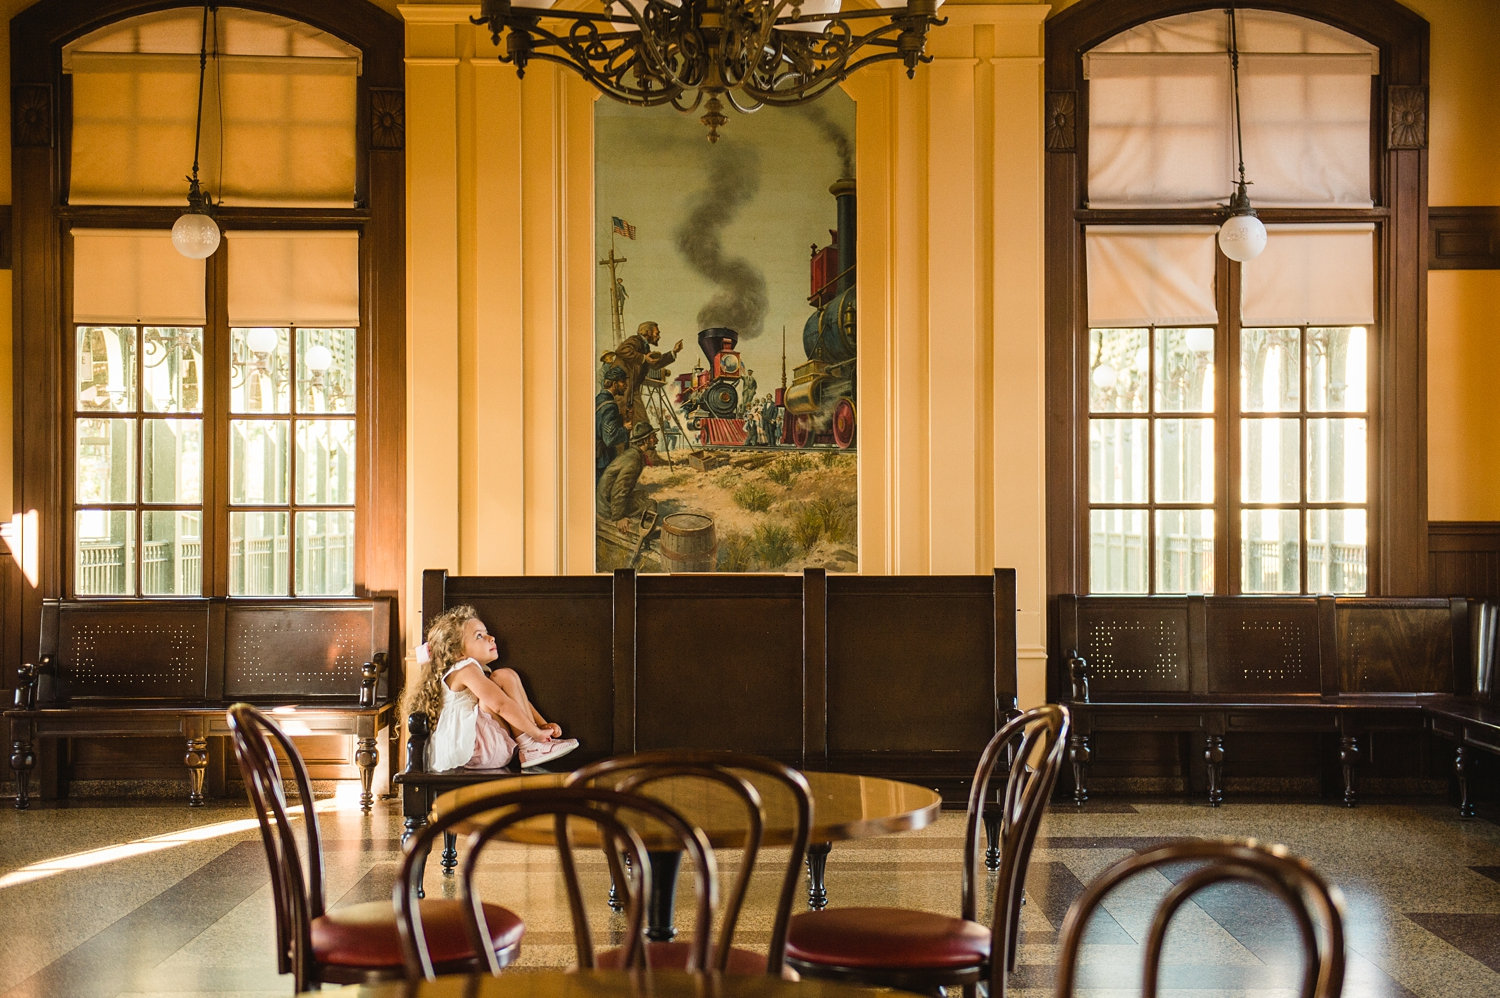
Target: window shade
(128,275)
(1161,113)
(1150,275)
(1323,275)
(279,104)
(293,278)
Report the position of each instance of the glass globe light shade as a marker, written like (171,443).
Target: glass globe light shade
(1199,340)
(195,235)
(263,340)
(1242,237)
(1105,376)
(318,358)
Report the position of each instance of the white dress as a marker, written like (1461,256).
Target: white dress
(466,735)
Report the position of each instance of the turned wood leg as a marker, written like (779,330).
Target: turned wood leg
(991,816)
(616,902)
(817,866)
(1460,766)
(664,864)
(366,757)
(1213,754)
(1080,755)
(1348,757)
(197,764)
(411,826)
(450,853)
(22,761)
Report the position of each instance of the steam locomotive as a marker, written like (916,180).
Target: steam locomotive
(818,406)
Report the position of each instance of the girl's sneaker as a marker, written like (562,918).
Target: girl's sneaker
(534,753)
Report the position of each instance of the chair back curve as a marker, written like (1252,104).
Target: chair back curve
(1028,751)
(638,772)
(1315,906)
(493,817)
(297,895)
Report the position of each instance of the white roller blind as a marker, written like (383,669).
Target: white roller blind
(130,275)
(1150,275)
(1161,113)
(1323,275)
(293,278)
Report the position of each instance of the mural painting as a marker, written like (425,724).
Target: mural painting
(726,406)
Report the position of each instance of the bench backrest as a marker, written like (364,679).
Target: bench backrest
(217,649)
(1186,646)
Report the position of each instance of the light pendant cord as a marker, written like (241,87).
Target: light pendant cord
(1234,77)
(202,69)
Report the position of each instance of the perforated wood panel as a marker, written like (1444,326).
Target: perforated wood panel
(279,651)
(147,653)
(1263,646)
(1134,646)
(1395,646)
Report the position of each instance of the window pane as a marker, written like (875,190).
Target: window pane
(106,368)
(1184,460)
(1185,370)
(258,546)
(171,553)
(325,461)
(325,553)
(1118,452)
(172,371)
(1185,551)
(325,370)
(1270,370)
(1270,460)
(172,453)
(105,467)
(1119,369)
(1336,460)
(105,564)
(1337,551)
(1337,370)
(258,370)
(1117,551)
(1270,551)
(258,460)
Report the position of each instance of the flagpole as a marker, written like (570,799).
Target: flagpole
(616,304)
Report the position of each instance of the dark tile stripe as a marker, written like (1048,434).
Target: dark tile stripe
(1478,935)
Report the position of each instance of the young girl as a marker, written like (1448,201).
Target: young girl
(483,716)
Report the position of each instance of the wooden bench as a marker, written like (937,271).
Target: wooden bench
(1471,717)
(899,676)
(170,669)
(1216,667)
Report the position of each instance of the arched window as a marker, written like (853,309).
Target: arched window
(225,425)
(1220,426)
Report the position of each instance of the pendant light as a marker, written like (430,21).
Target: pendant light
(1242,236)
(196,234)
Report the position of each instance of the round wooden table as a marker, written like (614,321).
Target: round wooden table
(517,983)
(844,806)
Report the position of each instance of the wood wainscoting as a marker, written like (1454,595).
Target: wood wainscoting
(1463,558)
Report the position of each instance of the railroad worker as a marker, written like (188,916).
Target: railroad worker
(637,357)
(614,497)
(610,435)
(768,419)
(752,430)
(747,387)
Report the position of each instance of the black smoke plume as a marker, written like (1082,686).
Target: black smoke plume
(741,300)
(843,142)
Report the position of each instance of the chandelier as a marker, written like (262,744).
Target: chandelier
(695,54)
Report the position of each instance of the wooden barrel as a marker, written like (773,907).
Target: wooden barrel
(688,543)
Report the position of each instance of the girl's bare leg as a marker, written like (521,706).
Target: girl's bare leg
(510,685)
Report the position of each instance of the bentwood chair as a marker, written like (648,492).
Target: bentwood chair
(521,816)
(646,772)
(926,951)
(1314,906)
(350,944)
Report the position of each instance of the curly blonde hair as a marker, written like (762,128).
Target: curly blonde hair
(445,643)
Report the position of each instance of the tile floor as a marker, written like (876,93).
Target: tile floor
(125,898)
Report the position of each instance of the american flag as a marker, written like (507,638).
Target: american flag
(623,227)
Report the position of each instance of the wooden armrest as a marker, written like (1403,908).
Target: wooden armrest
(1078,675)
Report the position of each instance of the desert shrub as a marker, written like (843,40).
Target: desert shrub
(787,468)
(753,497)
(736,553)
(807,528)
(774,545)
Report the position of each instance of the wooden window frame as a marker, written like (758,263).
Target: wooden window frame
(43,334)
(1398,411)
